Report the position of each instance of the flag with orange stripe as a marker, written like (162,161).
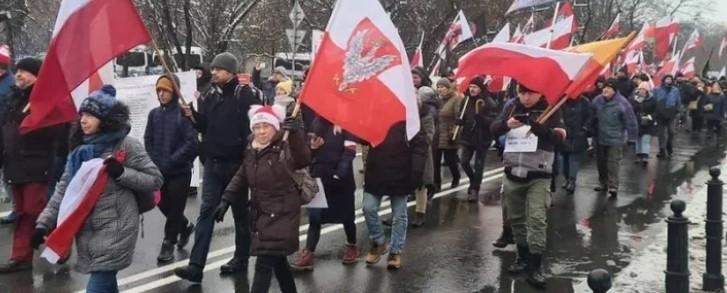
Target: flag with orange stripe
(603,53)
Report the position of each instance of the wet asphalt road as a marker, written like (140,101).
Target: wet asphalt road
(452,252)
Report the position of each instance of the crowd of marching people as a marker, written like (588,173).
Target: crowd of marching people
(253,142)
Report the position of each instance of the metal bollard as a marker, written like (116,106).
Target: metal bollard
(713,279)
(677,251)
(599,280)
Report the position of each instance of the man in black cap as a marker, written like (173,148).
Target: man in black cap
(479,111)
(624,85)
(28,163)
(222,119)
(614,119)
(528,172)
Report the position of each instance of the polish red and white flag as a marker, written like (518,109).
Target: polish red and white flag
(81,195)
(632,61)
(558,37)
(417,60)
(688,68)
(503,36)
(458,32)
(4,54)
(670,68)
(87,35)
(695,41)
(639,42)
(722,44)
(517,61)
(665,30)
(518,37)
(364,82)
(614,29)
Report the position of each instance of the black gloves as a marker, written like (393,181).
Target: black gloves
(291,124)
(538,129)
(114,167)
(221,211)
(38,237)
(459,122)
(452,141)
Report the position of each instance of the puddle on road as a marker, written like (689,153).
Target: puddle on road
(615,231)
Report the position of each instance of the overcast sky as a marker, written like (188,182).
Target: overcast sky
(720,9)
(717,11)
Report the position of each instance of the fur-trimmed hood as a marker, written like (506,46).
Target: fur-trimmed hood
(118,119)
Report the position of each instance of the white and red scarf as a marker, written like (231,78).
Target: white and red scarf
(79,200)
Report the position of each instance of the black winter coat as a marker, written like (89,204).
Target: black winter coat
(170,140)
(222,120)
(689,92)
(716,111)
(625,86)
(395,166)
(479,113)
(31,157)
(335,158)
(267,86)
(549,143)
(645,112)
(576,118)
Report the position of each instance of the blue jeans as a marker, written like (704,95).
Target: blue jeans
(371,205)
(102,282)
(217,174)
(570,163)
(643,146)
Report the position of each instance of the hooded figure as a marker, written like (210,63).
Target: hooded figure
(624,85)
(421,77)
(283,91)
(204,79)
(106,241)
(268,86)
(598,87)
(171,142)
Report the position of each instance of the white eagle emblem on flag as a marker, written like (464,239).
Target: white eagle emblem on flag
(359,65)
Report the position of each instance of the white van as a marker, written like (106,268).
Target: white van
(285,59)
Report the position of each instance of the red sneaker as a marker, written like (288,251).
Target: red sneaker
(304,261)
(350,254)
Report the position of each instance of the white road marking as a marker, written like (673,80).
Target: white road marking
(212,266)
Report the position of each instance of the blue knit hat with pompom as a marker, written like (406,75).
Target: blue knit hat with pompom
(100,102)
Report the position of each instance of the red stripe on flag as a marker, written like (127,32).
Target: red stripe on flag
(91,36)
(60,240)
(526,69)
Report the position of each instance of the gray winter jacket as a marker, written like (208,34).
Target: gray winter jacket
(107,240)
(429,128)
(615,122)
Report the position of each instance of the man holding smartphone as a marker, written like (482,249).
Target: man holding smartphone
(528,160)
